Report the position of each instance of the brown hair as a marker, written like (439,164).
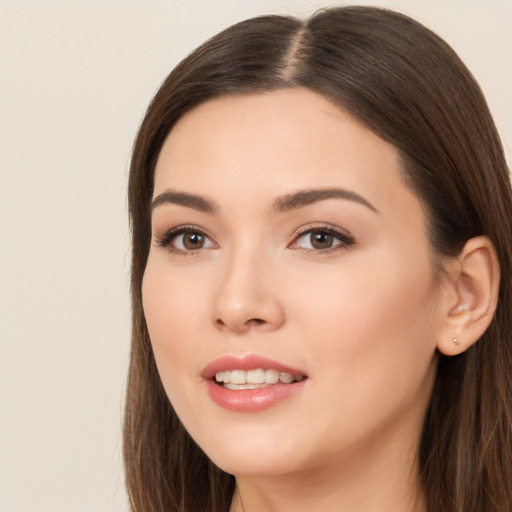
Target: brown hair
(409,87)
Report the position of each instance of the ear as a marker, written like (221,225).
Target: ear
(471,286)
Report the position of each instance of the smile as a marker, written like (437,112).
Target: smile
(254,379)
(251,383)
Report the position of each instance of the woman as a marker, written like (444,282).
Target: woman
(321,218)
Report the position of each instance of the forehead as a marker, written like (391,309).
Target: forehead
(268,123)
(274,142)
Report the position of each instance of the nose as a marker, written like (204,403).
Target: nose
(246,299)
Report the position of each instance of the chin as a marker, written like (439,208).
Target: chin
(255,464)
(242,452)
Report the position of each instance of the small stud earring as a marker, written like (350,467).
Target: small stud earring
(456,342)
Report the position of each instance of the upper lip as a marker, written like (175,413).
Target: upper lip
(246,362)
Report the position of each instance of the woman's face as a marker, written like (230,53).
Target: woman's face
(286,246)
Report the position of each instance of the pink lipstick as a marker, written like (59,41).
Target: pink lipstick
(251,383)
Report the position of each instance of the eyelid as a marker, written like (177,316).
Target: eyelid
(345,237)
(171,234)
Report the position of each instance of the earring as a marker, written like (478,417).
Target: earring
(456,342)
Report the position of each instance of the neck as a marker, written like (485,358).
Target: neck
(304,496)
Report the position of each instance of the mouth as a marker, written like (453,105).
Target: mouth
(255,379)
(251,383)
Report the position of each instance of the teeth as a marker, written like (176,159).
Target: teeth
(245,386)
(252,379)
(286,378)
(238,377)
(255,377)
(271,376)
(220,376)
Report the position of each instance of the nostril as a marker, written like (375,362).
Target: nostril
(257,320)
(253,322)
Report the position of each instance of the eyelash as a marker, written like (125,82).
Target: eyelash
(169,236)
(344,238)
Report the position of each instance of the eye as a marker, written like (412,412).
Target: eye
(185,239)
(322,239)
(190,241)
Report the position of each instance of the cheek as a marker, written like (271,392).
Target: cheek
(374,347)
(353,298)
(173,316)
(171,300)
(374,331)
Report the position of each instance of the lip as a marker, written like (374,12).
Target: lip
(250,400)
(246,362)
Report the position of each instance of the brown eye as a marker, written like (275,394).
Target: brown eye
(321,240)
(184,239)
(193,240)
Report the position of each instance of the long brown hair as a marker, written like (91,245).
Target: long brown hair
(410,88)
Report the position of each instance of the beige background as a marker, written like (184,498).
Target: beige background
(75,78)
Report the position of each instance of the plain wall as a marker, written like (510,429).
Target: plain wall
(75,78)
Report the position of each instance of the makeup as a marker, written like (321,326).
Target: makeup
(251,383)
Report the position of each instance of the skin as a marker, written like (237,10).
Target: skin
(361,319)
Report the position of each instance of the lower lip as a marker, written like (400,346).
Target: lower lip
(252,400)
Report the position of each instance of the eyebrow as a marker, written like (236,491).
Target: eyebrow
(281,204)
(306,197)
(184,199)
